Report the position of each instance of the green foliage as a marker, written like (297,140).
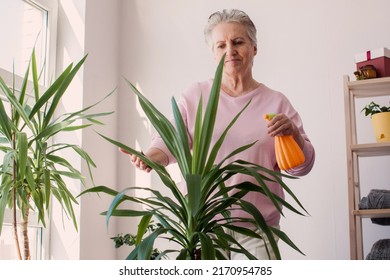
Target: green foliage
(374,108)
(33,170)
(199,222)
(131,240)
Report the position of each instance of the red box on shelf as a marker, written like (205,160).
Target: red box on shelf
(379,58)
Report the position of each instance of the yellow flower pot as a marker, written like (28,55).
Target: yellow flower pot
(381,125)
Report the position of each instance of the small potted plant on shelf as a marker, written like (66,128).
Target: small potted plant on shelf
(380,116)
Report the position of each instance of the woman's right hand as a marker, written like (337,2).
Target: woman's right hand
(137,162)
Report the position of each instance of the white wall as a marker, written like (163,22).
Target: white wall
(64,239)
(89,27)
(305,48)
(101,75)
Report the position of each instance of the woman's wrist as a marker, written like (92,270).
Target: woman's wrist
(158,156)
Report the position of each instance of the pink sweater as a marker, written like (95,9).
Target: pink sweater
(249,127)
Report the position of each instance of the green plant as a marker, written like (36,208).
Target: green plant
(33,170)
(374,108)
(200,222)
(131,240)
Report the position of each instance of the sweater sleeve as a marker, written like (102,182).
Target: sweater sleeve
(187,103)
(308,150)
(304,168)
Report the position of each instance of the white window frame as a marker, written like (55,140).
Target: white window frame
(51,6)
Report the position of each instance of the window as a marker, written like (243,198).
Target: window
(26,24)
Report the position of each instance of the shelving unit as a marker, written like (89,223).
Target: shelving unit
(352,91)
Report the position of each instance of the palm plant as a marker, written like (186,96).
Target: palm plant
(200,221)
(32,170)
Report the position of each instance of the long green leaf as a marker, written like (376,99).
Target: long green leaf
(43,100)
(197,133)
(164,128)
(4,196)
(283,236)
(209,118)
(127,213)
(47,183)
(146,246)
(277,177)
(80,112)
(218,144)
(5,121)
(35,81)
(114,204)
(193,182)
(142,226)
(22,94)
(30,176)
(17,107)
(22,147)
(76,127)
(35,75)
(161,171)
(65,198)
(258,217)
(57,178)
(37,197)
(71,174)
(84,155)
(99,189)
(208,250)
(51,130)
(255,188)
(133,254)
(184,148)
(61,91)
(228,238)
(243,230)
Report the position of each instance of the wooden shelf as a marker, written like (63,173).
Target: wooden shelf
(353,90)
(370,87)
(372,213)
(371,149)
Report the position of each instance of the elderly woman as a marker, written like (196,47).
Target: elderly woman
(232,32)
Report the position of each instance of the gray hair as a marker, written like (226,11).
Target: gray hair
(226,16)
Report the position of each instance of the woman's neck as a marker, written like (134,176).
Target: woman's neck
(237,86)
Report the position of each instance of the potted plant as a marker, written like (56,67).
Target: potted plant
(32,170)
(380,117)
(200,221)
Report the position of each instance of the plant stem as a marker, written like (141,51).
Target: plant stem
(14,212)
(24,229)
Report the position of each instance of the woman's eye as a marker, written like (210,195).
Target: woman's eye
(220,46)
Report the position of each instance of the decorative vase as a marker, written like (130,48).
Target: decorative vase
(381,125)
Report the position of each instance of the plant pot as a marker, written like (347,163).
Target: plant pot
(381,125)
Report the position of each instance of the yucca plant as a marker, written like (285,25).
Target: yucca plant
(200,221)
(33,170)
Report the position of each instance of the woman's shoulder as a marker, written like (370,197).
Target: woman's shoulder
(272,93)
(267,90)
(196,89)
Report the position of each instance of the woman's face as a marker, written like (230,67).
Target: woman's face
(232,39)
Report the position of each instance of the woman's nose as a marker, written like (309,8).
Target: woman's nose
(230,49)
